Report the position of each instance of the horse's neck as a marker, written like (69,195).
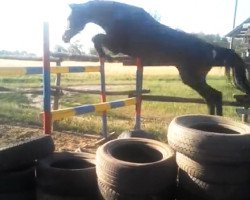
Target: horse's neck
(105,13)
(100,15)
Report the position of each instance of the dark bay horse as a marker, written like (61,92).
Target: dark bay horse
(132,31)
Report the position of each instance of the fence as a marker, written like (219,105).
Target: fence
(49,116)
(135,97)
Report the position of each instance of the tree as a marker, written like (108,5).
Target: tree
(92,51)
(60,49)
(76,48)
(213,39)
(238,46)
(16,53)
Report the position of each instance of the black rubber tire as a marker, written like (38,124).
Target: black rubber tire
(136,166)
(213,191)
(206,138)
(215,173)
(68,174)
(108,193)
(26,152)
(24,195)
(185,195)
(41,195)
(18,181)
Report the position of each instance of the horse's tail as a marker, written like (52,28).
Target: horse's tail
(239,69)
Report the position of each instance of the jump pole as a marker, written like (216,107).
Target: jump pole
(139,78)
(46,81)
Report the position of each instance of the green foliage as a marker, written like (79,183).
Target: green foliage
(16,53)
(14,82)
(19,99)
(92,51)
(214,39)
(75,48)
(15,108)
(239,46)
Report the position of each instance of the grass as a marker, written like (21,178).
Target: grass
(18,108)
(15,109)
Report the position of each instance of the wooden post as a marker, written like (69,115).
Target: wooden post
(58,90)
(103,98)
(57,93)
(248,70)
(139,79)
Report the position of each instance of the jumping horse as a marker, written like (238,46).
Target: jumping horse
(132,31)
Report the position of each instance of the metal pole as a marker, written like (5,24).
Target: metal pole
(46,81)
(103,98)
(235,14)
(139,79)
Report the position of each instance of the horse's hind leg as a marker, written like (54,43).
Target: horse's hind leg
(218,106)
(212,97)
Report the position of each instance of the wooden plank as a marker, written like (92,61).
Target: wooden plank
(26,58)
(88,91)
(27,91)
(242,98)
(87,108)
(243,111)
(103,140)
(70,57)
(182,100)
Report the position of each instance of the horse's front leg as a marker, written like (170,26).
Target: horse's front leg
(211,109)
(100,41)
(219,110)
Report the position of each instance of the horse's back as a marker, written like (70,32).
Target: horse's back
(146,37)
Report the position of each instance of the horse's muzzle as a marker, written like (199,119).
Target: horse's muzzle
(67,36)
(65,39)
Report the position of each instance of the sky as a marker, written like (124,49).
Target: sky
(22,20)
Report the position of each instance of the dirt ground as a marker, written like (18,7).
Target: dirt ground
(64,141)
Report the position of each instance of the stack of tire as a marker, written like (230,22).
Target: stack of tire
(17,167)
(213,156)
(136,169)
(67,176)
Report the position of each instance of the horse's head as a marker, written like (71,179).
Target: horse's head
(76,21)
